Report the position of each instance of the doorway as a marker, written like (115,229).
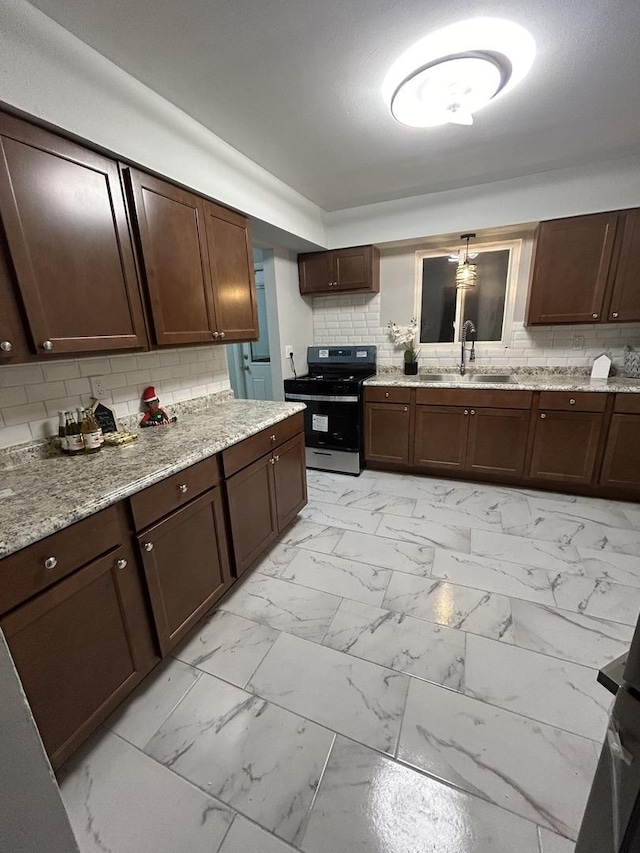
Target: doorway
(250,363)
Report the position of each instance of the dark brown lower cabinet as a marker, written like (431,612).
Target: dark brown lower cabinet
(264,498)
(80,647)
(186,563)
(497,442)
(621,464)
(440,441)
(386,427)
(565,446)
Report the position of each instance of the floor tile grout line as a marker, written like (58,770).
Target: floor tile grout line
(227,831)
(307,817)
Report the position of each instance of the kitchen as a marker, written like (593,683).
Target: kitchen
(95,100)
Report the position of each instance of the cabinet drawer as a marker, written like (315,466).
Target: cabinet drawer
(474,397)
(170,494)
(24,573)
(245,452)
(581,401)
(387,395)
(627,404)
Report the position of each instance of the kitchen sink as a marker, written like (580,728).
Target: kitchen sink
(480,378)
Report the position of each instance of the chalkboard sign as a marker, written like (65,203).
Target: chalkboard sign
(105,418)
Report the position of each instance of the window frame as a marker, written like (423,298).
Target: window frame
(515,256)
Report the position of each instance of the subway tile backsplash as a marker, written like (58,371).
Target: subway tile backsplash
(31,395)
(356,319)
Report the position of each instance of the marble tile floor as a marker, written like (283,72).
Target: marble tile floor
(411,667)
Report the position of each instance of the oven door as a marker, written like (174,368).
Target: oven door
(332,422)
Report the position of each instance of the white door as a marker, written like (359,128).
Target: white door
(250,365)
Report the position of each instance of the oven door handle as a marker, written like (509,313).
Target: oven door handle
(322,398)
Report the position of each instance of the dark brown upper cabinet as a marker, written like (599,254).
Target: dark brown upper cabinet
(197,262)
(583,270)
(66,230)
(353,270)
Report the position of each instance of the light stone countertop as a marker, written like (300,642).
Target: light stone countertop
(540,382)
(52,493)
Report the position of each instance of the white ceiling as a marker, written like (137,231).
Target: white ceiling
(295,85)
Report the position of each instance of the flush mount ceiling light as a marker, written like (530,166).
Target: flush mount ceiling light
(467,273)
(452,73)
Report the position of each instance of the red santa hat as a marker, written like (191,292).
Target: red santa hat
(149,395)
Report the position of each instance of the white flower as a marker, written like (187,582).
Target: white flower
(404,335)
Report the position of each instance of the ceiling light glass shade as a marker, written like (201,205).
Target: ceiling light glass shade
(507,49)
(466,275)
(450,90)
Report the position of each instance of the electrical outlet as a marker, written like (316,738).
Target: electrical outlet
(578,342)
(288,351)
(97,388)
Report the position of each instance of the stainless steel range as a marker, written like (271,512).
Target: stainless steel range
(332,391)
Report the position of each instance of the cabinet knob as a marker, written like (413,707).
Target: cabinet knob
(216,335)
(595,316)
(183,488)
(50,563)
(277,458)
(386,393)
(543,416)
(6,346)
(272,437)
(272,461)
(47,345)
(473,411)
(406,409)
(121,564)
(466,411)
(572,402)
(222,334)
(148,546)
(615,315)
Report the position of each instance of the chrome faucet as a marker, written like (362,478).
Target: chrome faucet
(468,328)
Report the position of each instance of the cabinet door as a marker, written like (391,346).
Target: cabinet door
(80,647)
(252,512)
(565,446)
(441,437)
(14,346)
(63,212)
(186,563)
(290,480)
(172,239)
(497,442)
(621,465)
(357,269)
(625,299)
(230,257)
(386,432)
(571,269)
(315,272)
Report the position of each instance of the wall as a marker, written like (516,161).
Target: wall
(51,74)
(363,320)
(610,185)
(32,394)
(32,816)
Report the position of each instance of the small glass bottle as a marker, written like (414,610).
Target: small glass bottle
(62,433)
(75,444)
(91,432)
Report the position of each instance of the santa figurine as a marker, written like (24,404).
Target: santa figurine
(154,415)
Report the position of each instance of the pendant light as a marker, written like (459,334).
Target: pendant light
(467,272)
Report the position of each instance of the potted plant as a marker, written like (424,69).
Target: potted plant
(404,336)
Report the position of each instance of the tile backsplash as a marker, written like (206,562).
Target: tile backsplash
(32,394)
(356,319)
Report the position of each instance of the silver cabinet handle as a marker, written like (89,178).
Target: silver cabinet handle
(466,411)
(406,409)
(50,563)
(272,437)
(121,564)
(6,346)
(148,546)
(216,335)
(47,345)
(222,334)
(614,315)
(183,488)
(272,461)
(595,316)
(277,458)
(572,402)
(386,393)
(473,411)
(543,416)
